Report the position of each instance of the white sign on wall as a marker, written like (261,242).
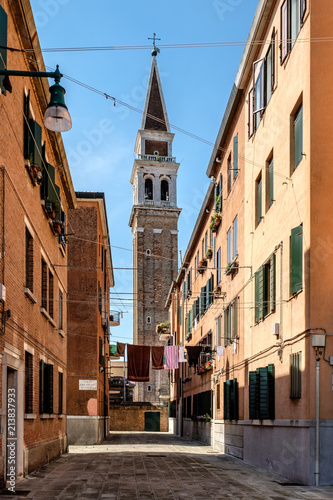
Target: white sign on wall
(87,385)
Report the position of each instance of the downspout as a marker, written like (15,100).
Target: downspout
(317,422)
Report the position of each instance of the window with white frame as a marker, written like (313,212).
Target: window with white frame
(292,17)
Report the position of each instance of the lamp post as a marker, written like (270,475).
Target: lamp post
(57,117)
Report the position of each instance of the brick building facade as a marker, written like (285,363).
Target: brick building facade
(36,192)
(90,276)
(154,222)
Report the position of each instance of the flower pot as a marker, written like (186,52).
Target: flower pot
(56,227)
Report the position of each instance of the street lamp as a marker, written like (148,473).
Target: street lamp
(57,117)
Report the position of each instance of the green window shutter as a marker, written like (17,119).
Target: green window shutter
(252,395)
(256,295)
(180,315)
(272,283)
(259,201)
(229,324)
(60,392)
(50,391)
(225,329)
(36,143)
(190,321)
(193,314)
(234,400)
(296,259)
(295,375)
(226,399)
(26,131)
(298,136)
(184,291)
(41,386)
(3,43)
(261,292)
(271,182)
(235,167)
(263,393)
(197,308)
(234,319)
(271,391)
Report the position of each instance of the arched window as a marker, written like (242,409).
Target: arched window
(164,190)
(148,320)
(148,189)
(148,252)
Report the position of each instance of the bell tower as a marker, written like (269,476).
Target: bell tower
(154,223)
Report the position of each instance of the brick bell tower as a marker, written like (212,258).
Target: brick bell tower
(154,223)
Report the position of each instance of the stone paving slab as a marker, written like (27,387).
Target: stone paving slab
(148,466)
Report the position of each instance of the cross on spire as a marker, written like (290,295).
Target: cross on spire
(154,40)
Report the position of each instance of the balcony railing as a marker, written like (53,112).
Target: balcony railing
(114,318)
(163,159)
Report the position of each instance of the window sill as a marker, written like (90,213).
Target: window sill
(45,416)
(30,416)
(62,415)
(47,316)
(295,295)
(30,295)
(61,333)
(62,250)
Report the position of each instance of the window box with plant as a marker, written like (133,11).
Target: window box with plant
(35,170)
(209,253)
(205,367)
(188,336)
(232,267)
(215,222)
(163,330)
(202,265)
(201,418)
(57,226)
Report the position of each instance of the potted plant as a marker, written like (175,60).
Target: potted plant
(217,203)
(215,222)
(57,225)
(232,267)
(163,328)
(188,336)
(202,265)
(209,253)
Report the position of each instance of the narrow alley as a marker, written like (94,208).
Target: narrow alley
(144,466)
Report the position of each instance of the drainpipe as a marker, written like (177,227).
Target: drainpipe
(317,421)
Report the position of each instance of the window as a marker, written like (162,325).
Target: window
(148,320)
(258,200)
(202,403)
(218,266)
(229,175)
(148,252)
(218,330)
(264,280)
(227,326)
(296,259)
(231,400)
(33,149)
(203,305)
(148,189)
(184,292)
(269,183)
(203,248)
(3,43)
(298,136)
(164,190)
(99,297)
(229,246)
(230,322)
(45,387)
(263,86)
(28,406)
(292,17)
(51,295)
(29,261)
(149,388)
(234,237)
(44,285)
(195,312)
(262,393)
(188,406)
(235,166)
(60,310)
(189,283)
(60,392)
(295,375)
(206,242)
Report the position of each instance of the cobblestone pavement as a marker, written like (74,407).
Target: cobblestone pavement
(156,466)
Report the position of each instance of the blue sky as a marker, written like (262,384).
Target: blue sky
(196,84)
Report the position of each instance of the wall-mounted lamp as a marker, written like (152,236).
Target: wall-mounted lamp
(57,117)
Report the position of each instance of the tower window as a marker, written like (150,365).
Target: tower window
(156,153)
(148,189)
(148,388)
(148,320)
(148,252)
(164,190)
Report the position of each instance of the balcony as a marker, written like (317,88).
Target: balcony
(114,319)
(161,159)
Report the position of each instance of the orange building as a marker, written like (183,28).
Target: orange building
(36,193)
(271,385)
(90,276)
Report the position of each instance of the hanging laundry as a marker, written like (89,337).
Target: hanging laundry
(120,349)
(171,357)
(138,363)
(219,351)
(182,354)
(157,357)
(193,353)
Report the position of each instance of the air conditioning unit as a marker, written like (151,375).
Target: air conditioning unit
(276,329)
